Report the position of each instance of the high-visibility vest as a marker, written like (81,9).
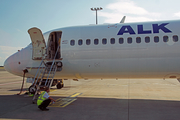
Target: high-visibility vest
(41,98)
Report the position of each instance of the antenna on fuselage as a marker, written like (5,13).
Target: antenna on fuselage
(123,19)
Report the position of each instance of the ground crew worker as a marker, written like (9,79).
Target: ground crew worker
(44,100)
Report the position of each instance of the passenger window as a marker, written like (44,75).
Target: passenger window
(96,41)
(72,42)
(129,40)
(147,39)
(175,38)
(112,40)
(80,42)
(165,39)
(121,40)
(88,42)
(138,40)
(104,41)
(156,39)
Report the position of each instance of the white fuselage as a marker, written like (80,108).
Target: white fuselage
(128,53)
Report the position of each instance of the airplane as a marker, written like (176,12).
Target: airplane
(107,51)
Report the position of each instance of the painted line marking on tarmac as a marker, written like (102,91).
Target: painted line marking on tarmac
(75,95)
(63,102)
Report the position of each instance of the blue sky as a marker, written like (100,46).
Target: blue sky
(17,16)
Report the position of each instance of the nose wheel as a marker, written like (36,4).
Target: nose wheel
(32,89)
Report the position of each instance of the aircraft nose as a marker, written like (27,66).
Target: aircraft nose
(17,62)
(11,65)
(7,63)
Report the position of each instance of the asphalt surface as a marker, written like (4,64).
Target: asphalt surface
(126,99)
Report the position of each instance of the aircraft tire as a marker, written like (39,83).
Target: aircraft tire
(59,85)
(32,89)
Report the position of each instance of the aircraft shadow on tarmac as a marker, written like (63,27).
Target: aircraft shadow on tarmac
(21,107)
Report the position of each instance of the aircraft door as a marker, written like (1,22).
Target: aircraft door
(38,43)
(54,47)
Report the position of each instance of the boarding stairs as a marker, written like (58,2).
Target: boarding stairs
(45,74)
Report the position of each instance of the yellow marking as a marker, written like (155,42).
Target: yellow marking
(78,76)
(63,102)
(75,95)
(72,100)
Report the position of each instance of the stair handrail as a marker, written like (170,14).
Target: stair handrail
(52,64)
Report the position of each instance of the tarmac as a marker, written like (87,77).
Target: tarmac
(122,99)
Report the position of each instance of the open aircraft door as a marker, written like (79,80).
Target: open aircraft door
(38,43)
